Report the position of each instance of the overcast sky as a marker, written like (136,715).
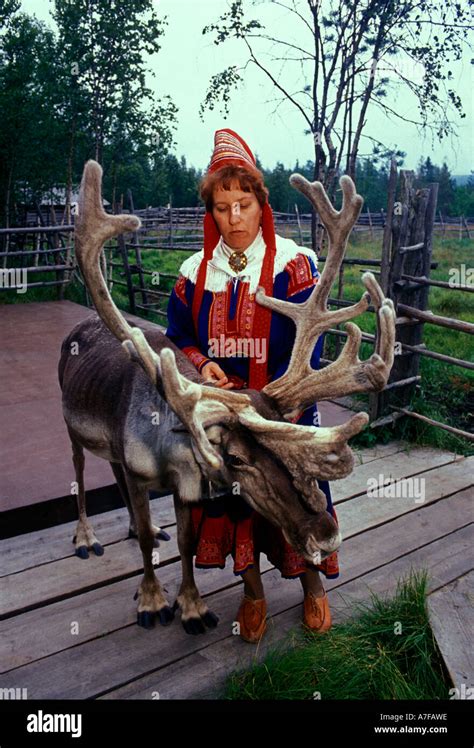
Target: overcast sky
(188,59)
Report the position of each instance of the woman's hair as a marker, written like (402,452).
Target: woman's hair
(249,181)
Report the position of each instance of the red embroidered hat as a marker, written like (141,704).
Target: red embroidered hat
(231,149)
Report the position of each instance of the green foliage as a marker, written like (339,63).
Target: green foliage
(429,172)
(7,9)
(385,650)
(80,93)
(27,158)
(463,201)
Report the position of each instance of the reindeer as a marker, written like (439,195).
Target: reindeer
(133,398)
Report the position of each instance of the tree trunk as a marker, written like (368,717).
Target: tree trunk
(7,214)
(316,228)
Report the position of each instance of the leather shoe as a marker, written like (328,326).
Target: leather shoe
(317,615)
(252,618)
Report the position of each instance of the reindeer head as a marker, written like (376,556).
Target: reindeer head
(245,436)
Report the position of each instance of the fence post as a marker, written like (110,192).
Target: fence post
(128,275)
(170,241)
(411,255)
(387,231)
(443,228)
(138,255)
(299,224)
(466,227)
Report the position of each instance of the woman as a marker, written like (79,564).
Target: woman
(213,302)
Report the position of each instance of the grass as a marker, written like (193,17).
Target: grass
(445,393)
(385,650)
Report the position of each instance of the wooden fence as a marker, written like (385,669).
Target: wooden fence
(52,253)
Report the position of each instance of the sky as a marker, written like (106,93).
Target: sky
(188,59)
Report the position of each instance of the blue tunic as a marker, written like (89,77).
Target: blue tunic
(230,314)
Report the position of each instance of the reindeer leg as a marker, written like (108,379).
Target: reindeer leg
(122,486)
(151,600)
(84,537)
(195,615)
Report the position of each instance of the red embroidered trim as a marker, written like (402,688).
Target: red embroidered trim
(195,356)
(242,324)
(301,276)
(216,538)
(180,289)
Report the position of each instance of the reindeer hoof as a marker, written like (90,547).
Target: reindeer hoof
(162,535)
(146,619)
(82,552)
(166,615)
(195,626)
(210,619)
(98,549)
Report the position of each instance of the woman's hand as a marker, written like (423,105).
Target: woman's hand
(213,373)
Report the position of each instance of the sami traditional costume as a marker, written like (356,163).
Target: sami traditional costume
(213,316)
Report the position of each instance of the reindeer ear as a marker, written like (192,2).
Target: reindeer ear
(214,433)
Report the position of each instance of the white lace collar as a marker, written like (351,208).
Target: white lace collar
(219,272)
(254,253)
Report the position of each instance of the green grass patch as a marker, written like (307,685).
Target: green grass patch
(386,650)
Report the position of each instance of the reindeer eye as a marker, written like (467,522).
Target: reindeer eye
(233,461)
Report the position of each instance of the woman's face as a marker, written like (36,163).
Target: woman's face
(238,216)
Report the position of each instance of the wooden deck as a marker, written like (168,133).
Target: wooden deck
(70,630)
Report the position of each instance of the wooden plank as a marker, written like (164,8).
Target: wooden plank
(68,576)
(201,674)
(379,451)
(37,586)
(451,610)
(93,668)
(363,512)
(397,466)
(33,549)
(42,632)
(40,547)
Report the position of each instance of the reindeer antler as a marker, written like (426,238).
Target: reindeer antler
(193,403)
(93,227)
(301,385)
